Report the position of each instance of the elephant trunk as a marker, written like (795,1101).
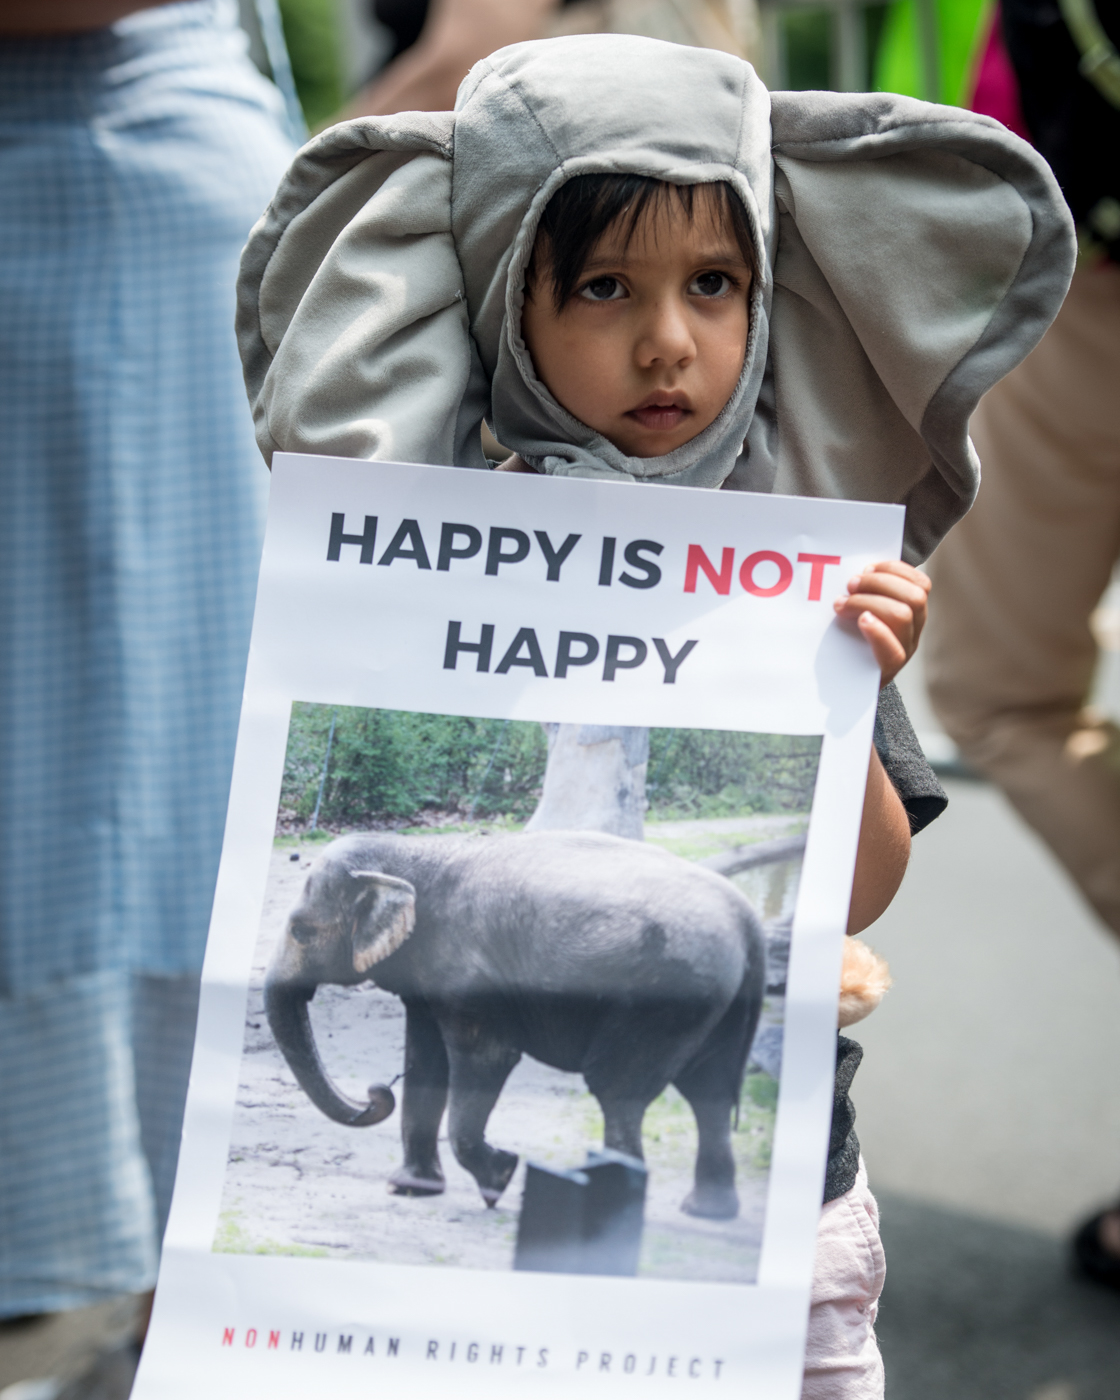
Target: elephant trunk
(286,1006)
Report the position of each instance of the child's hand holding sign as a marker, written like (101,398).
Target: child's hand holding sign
(888,603)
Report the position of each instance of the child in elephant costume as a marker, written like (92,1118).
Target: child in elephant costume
(637,265)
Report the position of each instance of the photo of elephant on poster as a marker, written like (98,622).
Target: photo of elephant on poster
(492,951)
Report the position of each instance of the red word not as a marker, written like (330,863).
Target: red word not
(698,563)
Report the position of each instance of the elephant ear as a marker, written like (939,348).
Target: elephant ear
(922,252)
(351,320)
(386,915)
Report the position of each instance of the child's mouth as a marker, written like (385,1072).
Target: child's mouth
(662,415)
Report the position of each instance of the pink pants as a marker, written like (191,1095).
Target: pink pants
(842,1360)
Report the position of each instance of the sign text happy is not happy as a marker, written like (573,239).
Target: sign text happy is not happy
(765,573)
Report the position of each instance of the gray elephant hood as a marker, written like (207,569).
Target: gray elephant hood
(911,255)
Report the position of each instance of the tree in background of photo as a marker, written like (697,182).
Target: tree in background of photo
(718,772)
(595,780)
(391,767)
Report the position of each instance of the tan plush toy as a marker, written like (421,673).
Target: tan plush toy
(864,978)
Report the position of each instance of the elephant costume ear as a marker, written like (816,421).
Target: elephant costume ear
(922,252)
(351,320)
(386,915)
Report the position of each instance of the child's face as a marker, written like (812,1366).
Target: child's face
(650,347)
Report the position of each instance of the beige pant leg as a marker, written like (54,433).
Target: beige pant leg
(1009,654)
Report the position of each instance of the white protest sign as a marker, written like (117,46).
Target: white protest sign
(480,677)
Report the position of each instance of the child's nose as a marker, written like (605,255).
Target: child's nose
(666,336)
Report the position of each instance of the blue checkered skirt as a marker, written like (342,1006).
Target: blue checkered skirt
(133,162)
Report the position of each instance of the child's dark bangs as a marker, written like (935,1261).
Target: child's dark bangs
(582,210)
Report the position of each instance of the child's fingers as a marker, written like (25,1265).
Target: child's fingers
(899,597)
(901,570)
(895,569)
(887,625)
(898,616)
(888,650)
(888,603)
(891,586)
(905,615)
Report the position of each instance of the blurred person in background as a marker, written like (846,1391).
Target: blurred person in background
(138,146)
(435,42)
(1010,681)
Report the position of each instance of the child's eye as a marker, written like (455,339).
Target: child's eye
(710,284)
(603,289)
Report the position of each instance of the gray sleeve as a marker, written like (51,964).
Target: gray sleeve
(906,765)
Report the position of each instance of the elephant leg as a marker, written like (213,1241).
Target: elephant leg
(480,1063)
(425,1097)
(713,1195)
(712,1082)
(626,1071)
(622,1124)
